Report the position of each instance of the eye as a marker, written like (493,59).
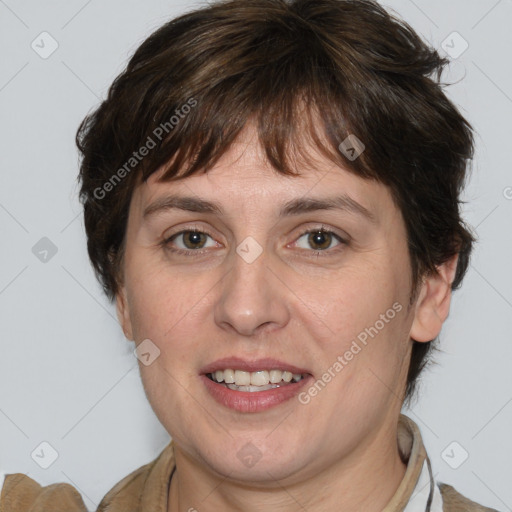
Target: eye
(192,242)
(319,239)
(188,241)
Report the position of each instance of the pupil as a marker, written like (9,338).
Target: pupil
(320,238)
(194,237)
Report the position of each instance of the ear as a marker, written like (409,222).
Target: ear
(433,302)
(123,313)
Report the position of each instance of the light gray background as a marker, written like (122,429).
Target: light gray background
(68,377)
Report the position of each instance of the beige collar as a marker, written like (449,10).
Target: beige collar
(410,445)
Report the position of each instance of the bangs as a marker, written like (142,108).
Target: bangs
(284,84)
(291,130)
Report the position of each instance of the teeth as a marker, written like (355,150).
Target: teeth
(276,376)
(242,378)
(261,378)
(287,376)
(229,376)
(251,389)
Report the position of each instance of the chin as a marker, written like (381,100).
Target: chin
(254,459)
(264,471)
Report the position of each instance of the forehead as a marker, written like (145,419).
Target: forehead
(243,178)
(243,181)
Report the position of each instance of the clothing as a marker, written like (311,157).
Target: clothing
(146,488)
(21,493)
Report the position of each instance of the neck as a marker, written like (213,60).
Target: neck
(365,480)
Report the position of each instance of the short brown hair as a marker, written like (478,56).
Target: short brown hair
(304,71)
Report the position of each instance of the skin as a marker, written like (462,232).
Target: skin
(339,451)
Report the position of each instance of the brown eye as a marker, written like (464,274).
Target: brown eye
(320,239)
(190,240)
(194,239)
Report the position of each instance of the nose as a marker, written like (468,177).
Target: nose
(252,298)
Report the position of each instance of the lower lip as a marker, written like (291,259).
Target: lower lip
(256,401)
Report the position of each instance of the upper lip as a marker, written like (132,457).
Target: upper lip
(236,363)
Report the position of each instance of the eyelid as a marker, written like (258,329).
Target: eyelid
(325,229)
(187,228)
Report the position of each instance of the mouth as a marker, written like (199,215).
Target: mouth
(253,382)
(253,386)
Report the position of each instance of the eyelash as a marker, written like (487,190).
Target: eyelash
(197,252)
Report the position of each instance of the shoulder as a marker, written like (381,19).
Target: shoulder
(453,501)
(128,491)
(143,489)
(21,493)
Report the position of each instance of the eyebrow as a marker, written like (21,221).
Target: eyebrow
(294,207)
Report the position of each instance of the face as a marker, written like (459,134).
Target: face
(256,290)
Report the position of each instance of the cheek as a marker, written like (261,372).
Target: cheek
(169,310)
(363,332)
(162,310)
(160,302)
(355,300)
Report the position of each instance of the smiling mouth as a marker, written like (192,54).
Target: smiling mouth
(240,380)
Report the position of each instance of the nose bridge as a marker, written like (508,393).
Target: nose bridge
(251,295)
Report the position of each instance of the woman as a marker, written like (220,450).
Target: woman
(270,196)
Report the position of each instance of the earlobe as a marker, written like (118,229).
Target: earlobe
(123,314)
(433,303)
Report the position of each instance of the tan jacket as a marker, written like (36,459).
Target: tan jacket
(146,489)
